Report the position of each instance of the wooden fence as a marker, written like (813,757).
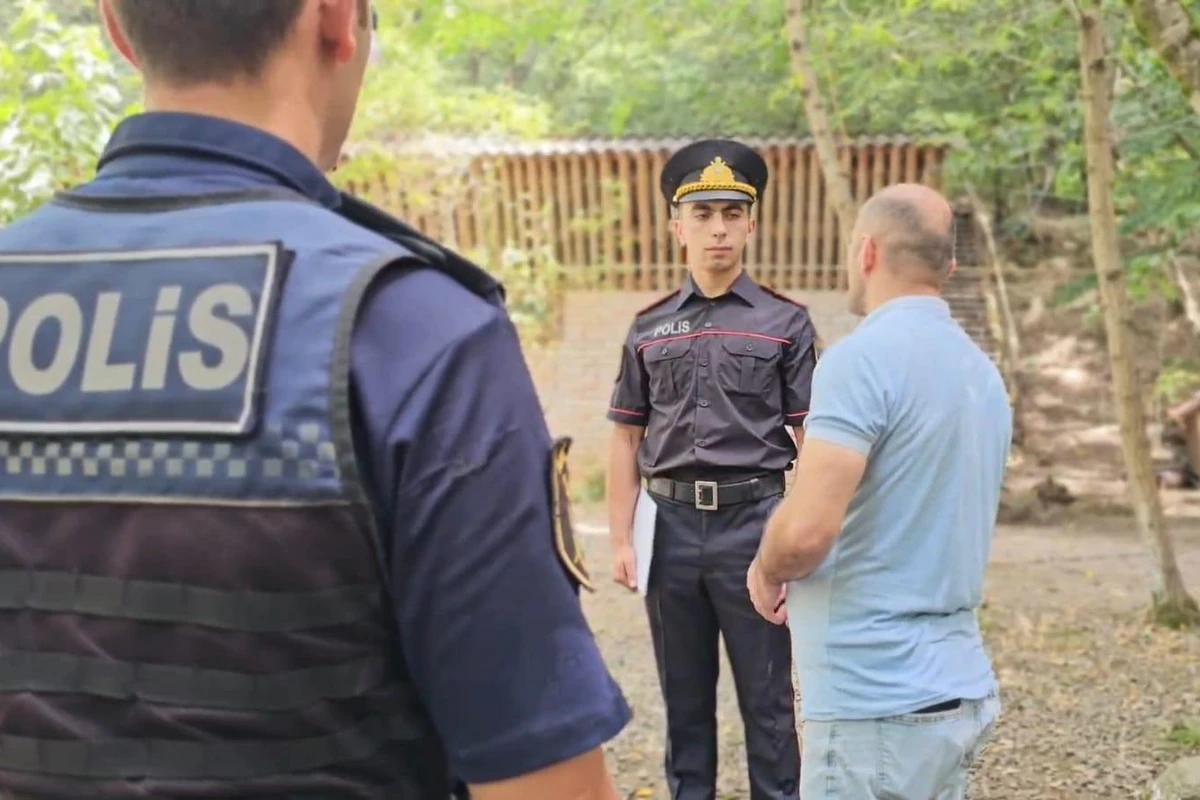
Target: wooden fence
(595,207)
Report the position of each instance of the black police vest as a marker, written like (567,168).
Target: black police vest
(193,597)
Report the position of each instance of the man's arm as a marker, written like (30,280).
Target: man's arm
(803,528)
(490,628)
(629,411)
(849,413)
(623,481)
(796,370)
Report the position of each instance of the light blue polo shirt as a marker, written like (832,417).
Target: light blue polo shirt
(886,625)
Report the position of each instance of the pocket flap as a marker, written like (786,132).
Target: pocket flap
(752,346)
(666,351)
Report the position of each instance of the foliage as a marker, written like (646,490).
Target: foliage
(59,98)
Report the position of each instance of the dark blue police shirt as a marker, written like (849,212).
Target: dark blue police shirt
(491,631)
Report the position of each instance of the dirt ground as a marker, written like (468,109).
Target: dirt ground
(1090,692)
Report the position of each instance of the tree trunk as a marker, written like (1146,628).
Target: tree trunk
(1173,34)
(837,181)
(1171,603)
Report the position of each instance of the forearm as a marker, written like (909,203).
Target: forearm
(622,483)
(779,557)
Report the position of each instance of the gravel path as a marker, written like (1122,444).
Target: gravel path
(1090,692)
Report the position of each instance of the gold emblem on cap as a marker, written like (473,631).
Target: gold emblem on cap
(716,177)
(717,172)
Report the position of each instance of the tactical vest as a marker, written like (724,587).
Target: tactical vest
(192,602)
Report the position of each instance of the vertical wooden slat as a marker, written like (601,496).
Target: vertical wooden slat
(877,167)
(828,225)
(562,202)
(799,190)
(581,212)
(508,200)
(473,206)
(611,256)
(862,175)
(837,263)
(895,153)
(780,212)
(533,208)
(645,230)
(812,230)
(627,207)
(755,255)
(546,219)
(662,222)
(911,155)
(932,174)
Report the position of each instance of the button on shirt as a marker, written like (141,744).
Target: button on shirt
(491,631)
(715,381)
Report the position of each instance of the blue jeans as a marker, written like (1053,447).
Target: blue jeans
(909,757)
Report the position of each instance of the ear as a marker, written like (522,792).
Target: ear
(868,256)
(113,27)
(677,226)
(751,226)
(953,266)
(341,29)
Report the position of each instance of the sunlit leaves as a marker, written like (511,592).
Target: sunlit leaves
(59,98)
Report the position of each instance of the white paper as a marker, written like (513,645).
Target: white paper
(645,516)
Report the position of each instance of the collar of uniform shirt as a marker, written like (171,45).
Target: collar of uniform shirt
(743,286)
(183,135)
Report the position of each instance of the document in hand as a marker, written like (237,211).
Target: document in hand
(645,516)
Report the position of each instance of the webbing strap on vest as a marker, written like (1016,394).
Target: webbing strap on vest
(148,601)
(165,759)
(59,673)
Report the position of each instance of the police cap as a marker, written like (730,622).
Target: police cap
(714,169)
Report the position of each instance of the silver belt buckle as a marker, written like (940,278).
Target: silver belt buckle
(701,486)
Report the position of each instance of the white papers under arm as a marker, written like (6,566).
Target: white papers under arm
(645,515)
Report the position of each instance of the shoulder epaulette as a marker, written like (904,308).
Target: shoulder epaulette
(657,302)
(783,297)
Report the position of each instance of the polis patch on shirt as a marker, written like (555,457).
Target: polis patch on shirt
(566,542)
(142,342)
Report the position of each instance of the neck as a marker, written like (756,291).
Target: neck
(256,105)
(887,292)
(715,284)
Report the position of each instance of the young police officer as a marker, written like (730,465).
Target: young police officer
(275,514)
(710,378)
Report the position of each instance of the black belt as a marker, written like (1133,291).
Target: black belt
(711,495)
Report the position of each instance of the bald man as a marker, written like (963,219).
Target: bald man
(883,540)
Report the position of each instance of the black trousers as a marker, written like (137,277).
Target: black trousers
(697,589)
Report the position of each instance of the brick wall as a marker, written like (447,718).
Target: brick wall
(575,375)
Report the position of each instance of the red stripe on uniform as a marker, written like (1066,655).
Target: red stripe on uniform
(627,411)
(764,337)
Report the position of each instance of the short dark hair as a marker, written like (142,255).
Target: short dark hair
(185,42)
(910,237)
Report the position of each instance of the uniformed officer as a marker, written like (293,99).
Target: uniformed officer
(711,377)
(276,514)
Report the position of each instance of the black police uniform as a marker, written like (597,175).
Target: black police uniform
(716,382)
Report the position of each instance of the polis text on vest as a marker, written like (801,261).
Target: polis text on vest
(43,342)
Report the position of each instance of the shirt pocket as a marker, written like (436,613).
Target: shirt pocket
(670,369)
(748,365)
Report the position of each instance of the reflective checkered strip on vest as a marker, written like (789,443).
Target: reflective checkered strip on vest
(192,600)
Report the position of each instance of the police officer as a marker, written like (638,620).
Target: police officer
(711,377)
(277,514)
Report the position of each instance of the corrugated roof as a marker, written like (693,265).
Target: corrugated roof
(472,146)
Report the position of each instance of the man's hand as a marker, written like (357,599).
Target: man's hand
(768,597)
(625,566)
